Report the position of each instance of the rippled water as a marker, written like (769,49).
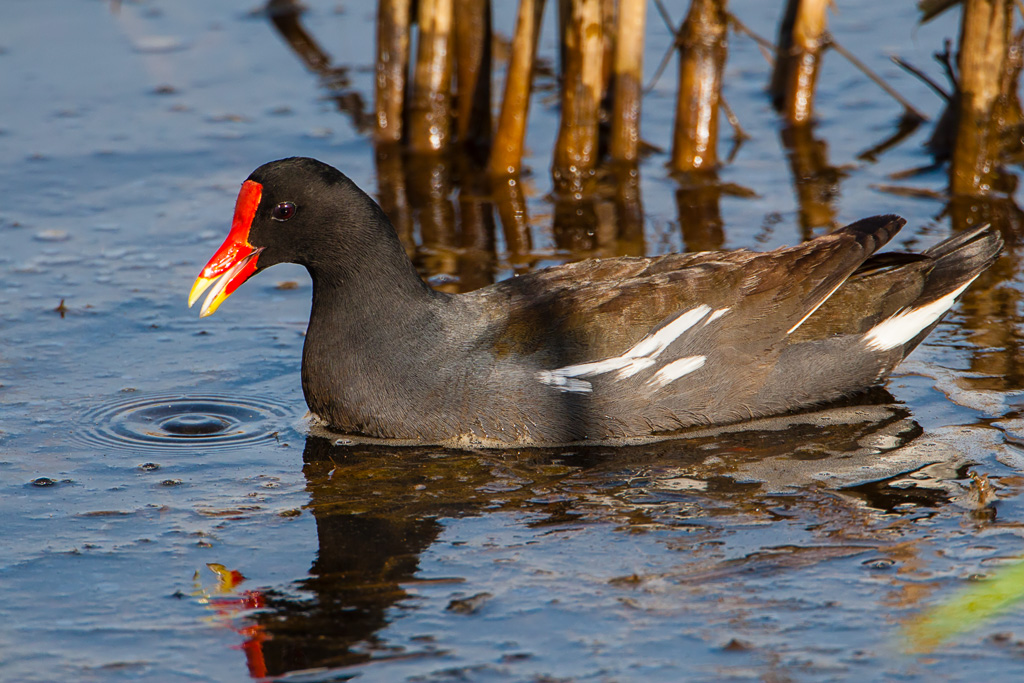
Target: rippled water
(155,423)
(168,515)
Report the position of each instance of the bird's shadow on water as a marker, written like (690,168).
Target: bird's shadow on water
(378,508)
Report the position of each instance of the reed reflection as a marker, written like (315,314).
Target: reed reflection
(816,181)
(992,311)
(392,195)
(510,197)
(698,197)
(285,16)
(429,187)
(629,209)
(478,262)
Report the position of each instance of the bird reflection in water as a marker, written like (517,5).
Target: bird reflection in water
(377,511)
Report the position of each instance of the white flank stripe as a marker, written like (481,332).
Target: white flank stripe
(571,384)
(676,369)
(640,356)
(591,369)
(816,307)
(635,366)
(653,344)
(716,315)
(904,325)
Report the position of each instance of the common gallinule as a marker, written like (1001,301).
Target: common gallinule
(595,350)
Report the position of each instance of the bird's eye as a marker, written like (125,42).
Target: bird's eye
(283,211)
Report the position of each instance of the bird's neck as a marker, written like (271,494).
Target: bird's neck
(376,265)
(368,329)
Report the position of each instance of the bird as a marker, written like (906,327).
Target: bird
(598,350)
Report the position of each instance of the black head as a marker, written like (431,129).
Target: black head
(312,214)
(300,210)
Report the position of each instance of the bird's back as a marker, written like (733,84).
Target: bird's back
(630,346)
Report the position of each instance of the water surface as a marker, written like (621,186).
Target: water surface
(139,444)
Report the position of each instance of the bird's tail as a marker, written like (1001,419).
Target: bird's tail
(956,262)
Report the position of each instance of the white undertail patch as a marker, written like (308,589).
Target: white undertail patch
(676,369)
(905,324)
(640,356)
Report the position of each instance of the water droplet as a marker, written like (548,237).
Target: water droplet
(879,563)
(51,236)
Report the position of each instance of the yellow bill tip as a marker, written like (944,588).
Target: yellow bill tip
(200,286)
(212,303)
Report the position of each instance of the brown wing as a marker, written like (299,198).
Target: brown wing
(585,311)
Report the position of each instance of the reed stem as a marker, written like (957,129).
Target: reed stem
(802,37)
(392,67)
(429,110)
(576,149)
(628,81)
(984,46)
(473,74)
(507,151)
(702,52)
